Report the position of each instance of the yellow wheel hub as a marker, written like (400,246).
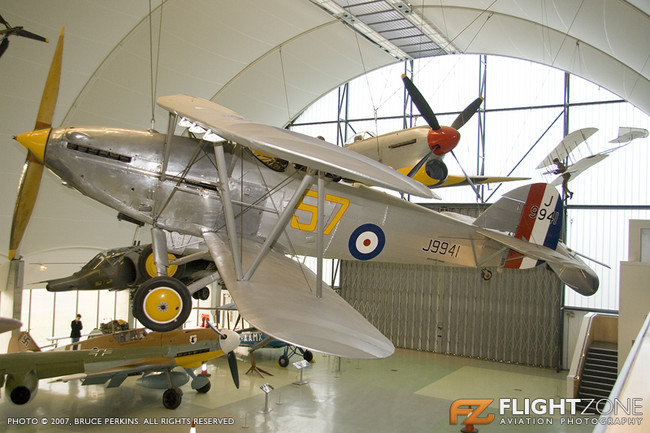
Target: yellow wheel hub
(162,305)
(150,265)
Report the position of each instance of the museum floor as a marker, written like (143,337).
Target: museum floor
(411,392)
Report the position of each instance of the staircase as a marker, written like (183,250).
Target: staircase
(598,375)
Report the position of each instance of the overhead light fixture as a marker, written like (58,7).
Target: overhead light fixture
(185,122)
(42,267)
(197,129)
(212,137)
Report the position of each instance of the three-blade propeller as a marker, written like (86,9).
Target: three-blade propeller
(30,179)
(441,139)
(229,342)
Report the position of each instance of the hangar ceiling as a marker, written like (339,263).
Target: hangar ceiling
(267,60)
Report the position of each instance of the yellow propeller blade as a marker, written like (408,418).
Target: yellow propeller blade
(30,180)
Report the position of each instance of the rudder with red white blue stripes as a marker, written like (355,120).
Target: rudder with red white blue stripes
(540,222)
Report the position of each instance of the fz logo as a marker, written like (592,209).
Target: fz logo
(193,339)
(472,408)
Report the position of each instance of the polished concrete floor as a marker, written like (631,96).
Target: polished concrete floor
(410,391)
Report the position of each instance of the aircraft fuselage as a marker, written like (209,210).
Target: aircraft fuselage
(122,169)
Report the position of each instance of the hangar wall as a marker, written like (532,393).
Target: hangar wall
(514,317)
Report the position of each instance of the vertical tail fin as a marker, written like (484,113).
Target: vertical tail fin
(22,342)
(533,213)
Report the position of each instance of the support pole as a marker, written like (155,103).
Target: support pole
(228,211)
(280,225)
(320,215)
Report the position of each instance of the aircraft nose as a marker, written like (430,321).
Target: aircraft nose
(35,142)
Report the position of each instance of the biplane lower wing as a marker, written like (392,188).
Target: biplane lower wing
(327,324)
(580,166)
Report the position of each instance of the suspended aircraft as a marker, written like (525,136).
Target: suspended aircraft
(251,217)
(112,358)
(18,31)
(419,152)
(128,267)
(568,168)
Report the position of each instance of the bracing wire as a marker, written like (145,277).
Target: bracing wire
(153,70)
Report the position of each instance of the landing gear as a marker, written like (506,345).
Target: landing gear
(147,265)
(205,388)
(201,294)
(172,398)
(288,353)
(162,304)
(486,274)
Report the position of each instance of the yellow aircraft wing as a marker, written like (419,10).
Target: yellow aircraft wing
(422,177)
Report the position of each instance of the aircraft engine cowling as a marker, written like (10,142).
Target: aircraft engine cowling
(22,387)
(436,169)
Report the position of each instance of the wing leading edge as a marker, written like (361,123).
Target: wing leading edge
(280,300)
(289,145)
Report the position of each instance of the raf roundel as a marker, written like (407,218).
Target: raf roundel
(366,242)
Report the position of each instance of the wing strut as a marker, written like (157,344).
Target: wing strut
(171,127)
(228,211)
(160,254)
(280,224)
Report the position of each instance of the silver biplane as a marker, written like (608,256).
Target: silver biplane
(252,215)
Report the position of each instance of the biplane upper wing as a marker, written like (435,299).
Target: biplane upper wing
(567,145)
(291,146)
(327,324)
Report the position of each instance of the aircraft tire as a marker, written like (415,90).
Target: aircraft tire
(172,398)
(162,304)
(486,274)
(308,356)
(205,388)
(283,361)
(201,294)
(147,267)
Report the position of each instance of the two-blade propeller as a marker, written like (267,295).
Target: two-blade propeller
(18,31)
(229,342)
(30,179)
(441,139)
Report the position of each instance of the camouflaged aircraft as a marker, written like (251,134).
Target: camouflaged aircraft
(113,357)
